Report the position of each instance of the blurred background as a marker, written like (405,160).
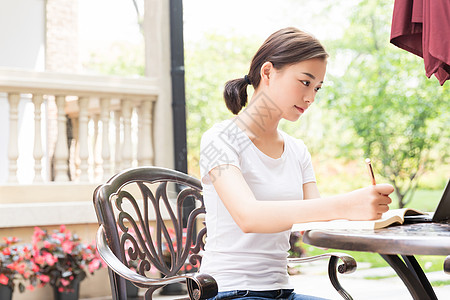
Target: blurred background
(376,101)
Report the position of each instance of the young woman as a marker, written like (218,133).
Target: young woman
(258,181)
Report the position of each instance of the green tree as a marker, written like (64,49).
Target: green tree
(210,62)
(397,114)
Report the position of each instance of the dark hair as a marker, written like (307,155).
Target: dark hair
(282,48)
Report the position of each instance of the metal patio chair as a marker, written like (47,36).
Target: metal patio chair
(148,221)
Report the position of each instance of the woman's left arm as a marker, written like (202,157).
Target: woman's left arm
(310,190)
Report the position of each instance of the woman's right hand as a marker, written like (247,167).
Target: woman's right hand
(368,203)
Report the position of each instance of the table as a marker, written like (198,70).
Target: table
(397,245)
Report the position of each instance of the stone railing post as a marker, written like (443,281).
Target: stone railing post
(106,154)
(118,144)
(37,148)
(126,146)
(145,147)
(61,154)
(83,120)
(13,147)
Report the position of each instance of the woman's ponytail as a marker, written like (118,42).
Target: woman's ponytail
(235,94)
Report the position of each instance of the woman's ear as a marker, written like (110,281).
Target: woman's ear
(266,70)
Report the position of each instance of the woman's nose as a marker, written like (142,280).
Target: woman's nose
(309,98)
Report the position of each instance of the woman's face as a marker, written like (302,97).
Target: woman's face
(294,87)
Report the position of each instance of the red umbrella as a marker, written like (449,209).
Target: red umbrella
(422,27)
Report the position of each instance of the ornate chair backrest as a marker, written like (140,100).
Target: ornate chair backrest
(142,214)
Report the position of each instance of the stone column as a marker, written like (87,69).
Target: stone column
(37,149)
(61,153)
(13,145)
(126,146)
(118,145)
(157,58)
(145,141)
(106,155)
(83,120)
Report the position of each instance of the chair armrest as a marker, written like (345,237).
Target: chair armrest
(348,262)
(447,265)
(348,266)
(200,286)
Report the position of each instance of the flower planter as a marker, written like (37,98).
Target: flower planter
(73,294)
(5,292)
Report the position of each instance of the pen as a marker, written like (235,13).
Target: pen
(369,167)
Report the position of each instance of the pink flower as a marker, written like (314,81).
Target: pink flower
(30,287)
(50,259)
(67,246)
(12,266)
(37,235)
(47,244)
(58,237)
(6,251)
(21,268)
(3,279)
(10,240)
(62,228)
(94,265)
(44,278)
(65,282)
(39,260)
(35,268)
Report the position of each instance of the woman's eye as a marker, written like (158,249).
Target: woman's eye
(317,88)
(306,82)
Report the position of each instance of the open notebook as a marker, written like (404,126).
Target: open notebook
(393,216)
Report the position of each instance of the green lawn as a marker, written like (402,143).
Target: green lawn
(426,200)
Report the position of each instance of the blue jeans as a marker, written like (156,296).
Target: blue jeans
(262,295)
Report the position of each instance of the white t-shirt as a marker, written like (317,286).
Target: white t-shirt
(249,261)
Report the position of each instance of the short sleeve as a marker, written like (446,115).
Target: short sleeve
(216,148)
(306,163)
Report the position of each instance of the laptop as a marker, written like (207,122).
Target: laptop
(441,215)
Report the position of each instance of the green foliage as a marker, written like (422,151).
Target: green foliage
(376,101)
(397,114)
(210,62)
(440,283)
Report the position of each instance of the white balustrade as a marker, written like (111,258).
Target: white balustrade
(145,147)
(82,138)
(100,111)
(13,149)
(118,141)
(106,154)
(126,120)
(94,153)
(38,153)
(61,154)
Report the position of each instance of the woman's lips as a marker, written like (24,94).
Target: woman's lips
(300,110)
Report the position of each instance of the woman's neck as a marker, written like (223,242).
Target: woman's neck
(260,119)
